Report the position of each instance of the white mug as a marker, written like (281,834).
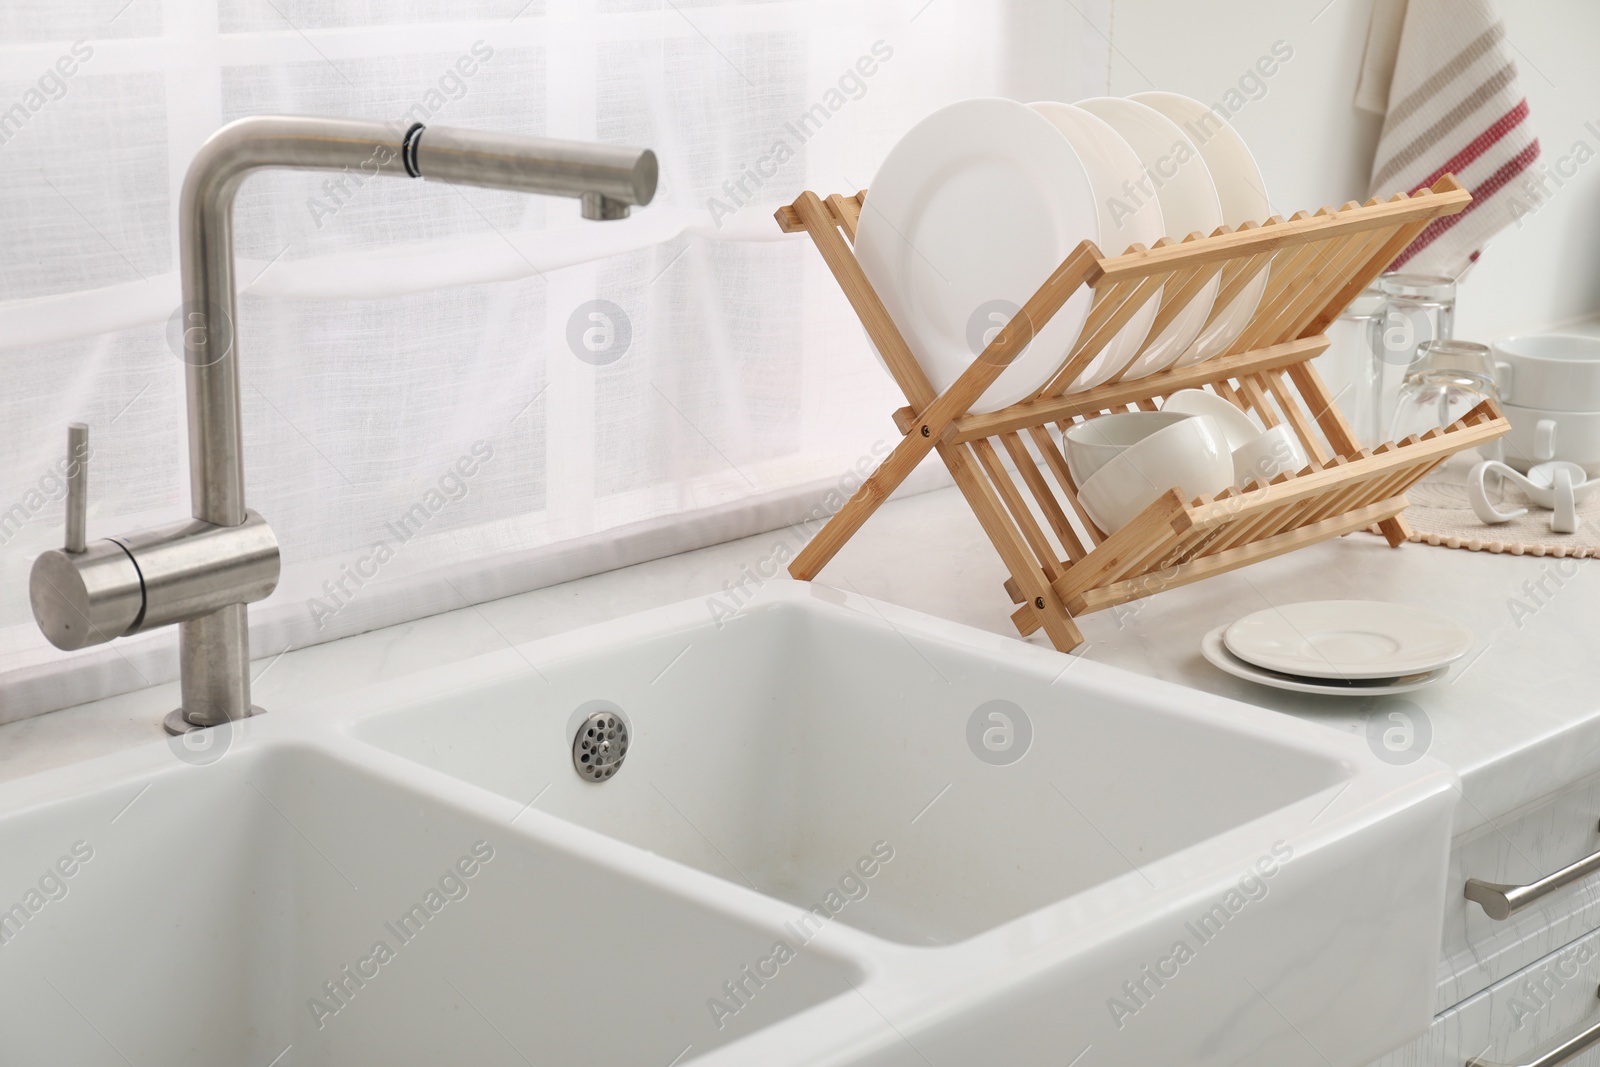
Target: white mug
(1553,371)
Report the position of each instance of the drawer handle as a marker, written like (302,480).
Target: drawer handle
(1562,1053)
(1504,901)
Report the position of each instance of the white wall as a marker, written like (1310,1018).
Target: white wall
(1316,149)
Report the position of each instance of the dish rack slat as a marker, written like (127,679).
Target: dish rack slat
(1010,467)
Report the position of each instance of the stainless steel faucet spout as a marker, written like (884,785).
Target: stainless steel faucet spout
(535,164)
(616,175)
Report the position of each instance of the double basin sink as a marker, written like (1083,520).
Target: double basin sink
(842,833)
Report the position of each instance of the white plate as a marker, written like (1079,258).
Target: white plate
(971,211)
(1111,164)
(1348,639)
(1217,654)
(1177,174)
(1243,195)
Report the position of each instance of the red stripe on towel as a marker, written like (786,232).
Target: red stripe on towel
(1490,186)
(1480,144)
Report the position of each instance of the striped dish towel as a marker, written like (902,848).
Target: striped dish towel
(1451,105)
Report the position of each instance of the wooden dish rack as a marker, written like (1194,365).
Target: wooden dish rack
(1317,264)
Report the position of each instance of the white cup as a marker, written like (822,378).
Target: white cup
(1190,455)
(1092,443)
(1267,456)
(1538,435)
(1553,371)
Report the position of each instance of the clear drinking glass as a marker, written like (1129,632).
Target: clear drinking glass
(1418,308)
(1351,362)
(1448,379)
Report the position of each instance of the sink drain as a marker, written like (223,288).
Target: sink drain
(600,746)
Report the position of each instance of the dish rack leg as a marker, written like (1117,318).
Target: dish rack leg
(1042,608)
(1037,593)
(894,469)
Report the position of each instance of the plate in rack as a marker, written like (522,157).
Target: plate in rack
(1112,165)
(1177,175)
(973,209)
(1242,193)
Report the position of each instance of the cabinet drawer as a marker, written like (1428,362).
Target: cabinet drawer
(1519,1018)
(1520,849)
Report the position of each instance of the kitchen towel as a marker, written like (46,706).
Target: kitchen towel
(1452,104)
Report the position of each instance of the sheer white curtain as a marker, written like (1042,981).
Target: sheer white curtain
(449,394)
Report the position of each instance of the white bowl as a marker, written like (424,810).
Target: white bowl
(1093,443)
(1243,195)
(1111,164)
(1174,167)
(1237,426)
(1268,455)
(1190,455)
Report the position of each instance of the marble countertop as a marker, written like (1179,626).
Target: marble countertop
(1518,717)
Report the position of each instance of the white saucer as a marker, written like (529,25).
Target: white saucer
(973,209)
(1217,654)
(1348,639)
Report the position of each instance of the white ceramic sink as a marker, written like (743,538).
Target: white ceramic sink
(819,850)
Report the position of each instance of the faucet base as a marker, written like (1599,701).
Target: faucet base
(176,724)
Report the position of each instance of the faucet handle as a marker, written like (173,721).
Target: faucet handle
(77,487)
(84,594)
(90,592)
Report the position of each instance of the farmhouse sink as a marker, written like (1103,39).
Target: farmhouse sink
(841,833)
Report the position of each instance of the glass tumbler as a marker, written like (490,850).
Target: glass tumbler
(1351,363)
(1448,379)
(1418,309)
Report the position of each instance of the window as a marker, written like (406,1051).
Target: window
(457,394)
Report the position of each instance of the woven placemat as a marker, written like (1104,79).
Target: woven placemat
(1440,514)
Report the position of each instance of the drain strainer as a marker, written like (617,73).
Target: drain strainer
(600,746)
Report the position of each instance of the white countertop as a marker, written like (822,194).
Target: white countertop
(1518,717)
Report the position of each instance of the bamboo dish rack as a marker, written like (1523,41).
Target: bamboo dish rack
(1062,565)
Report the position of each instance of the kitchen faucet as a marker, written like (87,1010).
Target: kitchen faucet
(200,573)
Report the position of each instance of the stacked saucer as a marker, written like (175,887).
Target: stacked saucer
(1339,647)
